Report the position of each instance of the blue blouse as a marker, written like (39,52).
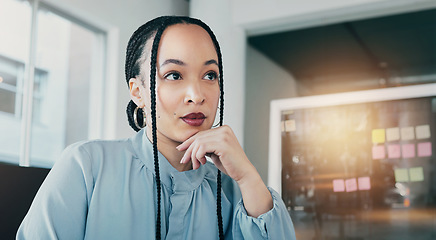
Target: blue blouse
(106,190)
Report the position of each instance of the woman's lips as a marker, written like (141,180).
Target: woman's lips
(194,119)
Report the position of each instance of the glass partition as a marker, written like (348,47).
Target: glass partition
(15,24)
(52,71)
(361,169)
(68,55)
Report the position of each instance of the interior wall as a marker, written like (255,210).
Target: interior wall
(265,81)
(126,16)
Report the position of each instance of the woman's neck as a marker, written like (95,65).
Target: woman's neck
(167,148)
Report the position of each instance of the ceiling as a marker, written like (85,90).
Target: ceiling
(357,55)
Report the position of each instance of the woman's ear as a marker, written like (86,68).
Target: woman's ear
(137,92)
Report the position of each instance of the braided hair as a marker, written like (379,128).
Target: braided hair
(135,57)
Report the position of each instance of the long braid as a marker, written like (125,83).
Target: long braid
(221,84)
(135,51)
(154,51)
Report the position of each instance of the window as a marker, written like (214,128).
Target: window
(50,63)
(11,87)
(11,82)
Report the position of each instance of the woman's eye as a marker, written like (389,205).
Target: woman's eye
(173,76)
(211,76)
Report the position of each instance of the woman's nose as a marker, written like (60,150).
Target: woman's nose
(194,94)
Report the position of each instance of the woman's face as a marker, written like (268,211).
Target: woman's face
(187,83)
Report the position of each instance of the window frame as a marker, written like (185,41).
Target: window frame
(107,70)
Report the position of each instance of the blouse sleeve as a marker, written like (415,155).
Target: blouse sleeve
(60,206)
(274,224)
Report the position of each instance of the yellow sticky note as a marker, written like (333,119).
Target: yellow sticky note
(416,174)
(401,175)
(378,136)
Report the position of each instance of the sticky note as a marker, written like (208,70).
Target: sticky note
(416,174)
(290,125)
(424,149)
(338,185)
(378,152)
(401,175)
(394,151)
(351,185)
(408,150)
(378,136)
(392,134)
(407,133)
(422,131)
(364,183)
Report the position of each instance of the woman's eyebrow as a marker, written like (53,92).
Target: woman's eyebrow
(181,63)
(212,61)
(174,61)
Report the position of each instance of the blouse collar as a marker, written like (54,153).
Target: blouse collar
(170,177)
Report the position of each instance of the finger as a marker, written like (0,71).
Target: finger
(201,155)
(185,145)
(195,161)
(195,164)
(187,156)
(207,148)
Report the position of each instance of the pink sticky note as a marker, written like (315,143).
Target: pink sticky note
(351,185)
(408,150)
(424,149)
(364,183)
(378,152)
(338,185)
(394,151)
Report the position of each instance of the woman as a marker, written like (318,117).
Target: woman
(158,184)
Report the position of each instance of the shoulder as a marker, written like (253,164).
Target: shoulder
(92,154)
(100,148)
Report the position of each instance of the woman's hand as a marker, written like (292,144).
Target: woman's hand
(222,146)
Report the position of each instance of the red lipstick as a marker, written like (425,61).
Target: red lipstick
(194,119)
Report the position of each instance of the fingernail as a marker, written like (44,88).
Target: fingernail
(183,158)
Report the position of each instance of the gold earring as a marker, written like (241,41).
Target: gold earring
(135,118)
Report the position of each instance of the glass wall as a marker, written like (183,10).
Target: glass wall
(49,62)
(15,28)
(361,171)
